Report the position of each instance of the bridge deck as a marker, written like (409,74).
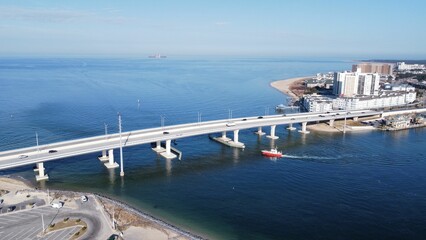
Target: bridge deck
(32,155)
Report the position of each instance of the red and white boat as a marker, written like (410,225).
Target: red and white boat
(272,153)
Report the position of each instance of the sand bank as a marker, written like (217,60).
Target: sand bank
(290,86)
(351,126)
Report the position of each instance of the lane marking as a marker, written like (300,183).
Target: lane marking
(35,233)
(23,233)
(69,232)
(14,236)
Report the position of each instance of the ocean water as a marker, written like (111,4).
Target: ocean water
(367,185)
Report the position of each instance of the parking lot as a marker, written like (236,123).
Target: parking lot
(28,224)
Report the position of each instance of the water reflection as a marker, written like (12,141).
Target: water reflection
(399,135)
(168,167)
(303,137)
(111,176)
(236,154)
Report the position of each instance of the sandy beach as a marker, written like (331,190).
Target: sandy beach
(351,126)
(292,86)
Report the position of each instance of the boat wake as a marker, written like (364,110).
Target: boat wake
(309,157)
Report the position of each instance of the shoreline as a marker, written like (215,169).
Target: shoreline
(127,217)
(287,86)
(147,216)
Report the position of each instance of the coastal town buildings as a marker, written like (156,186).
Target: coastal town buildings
(319,103)
(380,68)
(311,83)
(402,66)
(357,90)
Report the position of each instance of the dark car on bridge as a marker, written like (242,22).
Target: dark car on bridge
(53,151)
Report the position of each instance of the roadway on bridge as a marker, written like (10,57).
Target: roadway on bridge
(32,155)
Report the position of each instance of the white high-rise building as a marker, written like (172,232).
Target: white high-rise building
(349,84)
(345,84)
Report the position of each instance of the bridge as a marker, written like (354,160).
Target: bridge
(107,143)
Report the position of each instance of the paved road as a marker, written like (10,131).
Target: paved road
(27,224)
(32,155)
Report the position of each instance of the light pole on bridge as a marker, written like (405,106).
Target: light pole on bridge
(344,125)
(38,149)
(199,117)
(162,119)
(121,146)
(229,114)
(106,129)
(266,110)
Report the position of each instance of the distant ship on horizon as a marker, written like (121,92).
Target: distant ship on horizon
(157,56)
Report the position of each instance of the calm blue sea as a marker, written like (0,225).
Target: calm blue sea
(369,185)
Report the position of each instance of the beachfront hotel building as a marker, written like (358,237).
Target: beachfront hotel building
(350,84)
(380,68)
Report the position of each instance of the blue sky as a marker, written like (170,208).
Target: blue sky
(371,29)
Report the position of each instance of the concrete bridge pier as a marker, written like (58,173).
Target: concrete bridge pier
(331,123)
(272,135)
(111,163)
(259,132)
(304,128)
(236,136)
(158,147)
(290,127)
(228,142)
(104,156)
(41,175)
(224,136)
(168,153)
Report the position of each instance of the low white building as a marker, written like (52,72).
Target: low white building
(398,122)
(399,87)
(385,99)
(317,103)
(402,66)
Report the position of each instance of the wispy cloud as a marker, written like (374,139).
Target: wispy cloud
(55,15)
